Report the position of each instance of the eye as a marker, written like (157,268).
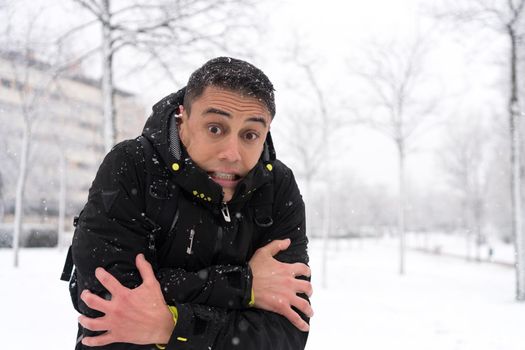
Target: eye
(215,129)
(251,136)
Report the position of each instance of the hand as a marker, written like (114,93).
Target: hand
(138,316)
(275,287)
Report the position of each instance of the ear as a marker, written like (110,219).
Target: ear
(182,112)
(182,123)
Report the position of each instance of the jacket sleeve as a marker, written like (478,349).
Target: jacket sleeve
(204,327)
(112,230)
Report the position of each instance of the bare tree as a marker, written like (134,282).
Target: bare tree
(394,75)
(464,160)
(162,30)
(33,89)
(314,123)
(320,159)
(507,18)
(34,67)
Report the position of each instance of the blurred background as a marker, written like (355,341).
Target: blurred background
(402,120)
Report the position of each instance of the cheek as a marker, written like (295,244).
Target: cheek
(187,138)
(252,156)
(190,137)
(199,149)
(183,135)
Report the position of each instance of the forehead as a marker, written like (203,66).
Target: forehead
(230,101)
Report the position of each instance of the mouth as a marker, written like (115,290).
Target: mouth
(224,179)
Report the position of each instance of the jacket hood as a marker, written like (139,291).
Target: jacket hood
(156,129)
(187,174)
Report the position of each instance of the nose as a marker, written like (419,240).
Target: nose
(230,150)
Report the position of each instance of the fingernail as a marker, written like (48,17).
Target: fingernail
(285,242)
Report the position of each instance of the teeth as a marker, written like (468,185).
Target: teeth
(224,176)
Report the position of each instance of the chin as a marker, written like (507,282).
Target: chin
(227,196)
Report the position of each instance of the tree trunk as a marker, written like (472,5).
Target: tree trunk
(2,210)
(327,208)
(401,206)
(477,226)
(2,204)
(20,189)
(107,78)
(308,200)
(62,199)
(515,144)
(465,224)
(326,231)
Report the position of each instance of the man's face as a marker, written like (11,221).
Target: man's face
(225,135)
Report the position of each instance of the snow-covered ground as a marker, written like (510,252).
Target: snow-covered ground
(441,303)
(35,308)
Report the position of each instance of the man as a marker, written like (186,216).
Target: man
(228,269)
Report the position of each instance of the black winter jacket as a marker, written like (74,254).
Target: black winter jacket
(201,260)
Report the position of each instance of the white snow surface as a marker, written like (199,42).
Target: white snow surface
(441,303)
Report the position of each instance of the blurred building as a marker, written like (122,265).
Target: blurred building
(67,124)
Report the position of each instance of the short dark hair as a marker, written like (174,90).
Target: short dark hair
(234,75)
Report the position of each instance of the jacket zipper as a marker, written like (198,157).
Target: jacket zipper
(225,212)
(151,239)
(175,219)
(189,250)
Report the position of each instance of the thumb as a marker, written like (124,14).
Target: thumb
(145,269)
(276,246)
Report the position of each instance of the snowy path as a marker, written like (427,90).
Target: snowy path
(441,303)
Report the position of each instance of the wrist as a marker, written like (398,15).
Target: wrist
(167,326)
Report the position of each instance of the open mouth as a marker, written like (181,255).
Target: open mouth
(224,176)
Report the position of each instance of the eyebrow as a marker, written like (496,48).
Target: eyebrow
(212,110)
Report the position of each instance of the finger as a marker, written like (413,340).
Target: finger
(93,324)
(296,320)
(145,269)
(302,286)
(300,269)
(99,340)
(303,305)
(93,301)
(276,246)
(108,281)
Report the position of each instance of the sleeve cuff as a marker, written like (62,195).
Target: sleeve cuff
(249,297)
(183,328)
(252,299)
(175,315)
(197,327)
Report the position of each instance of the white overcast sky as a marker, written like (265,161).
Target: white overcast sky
(338,30)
